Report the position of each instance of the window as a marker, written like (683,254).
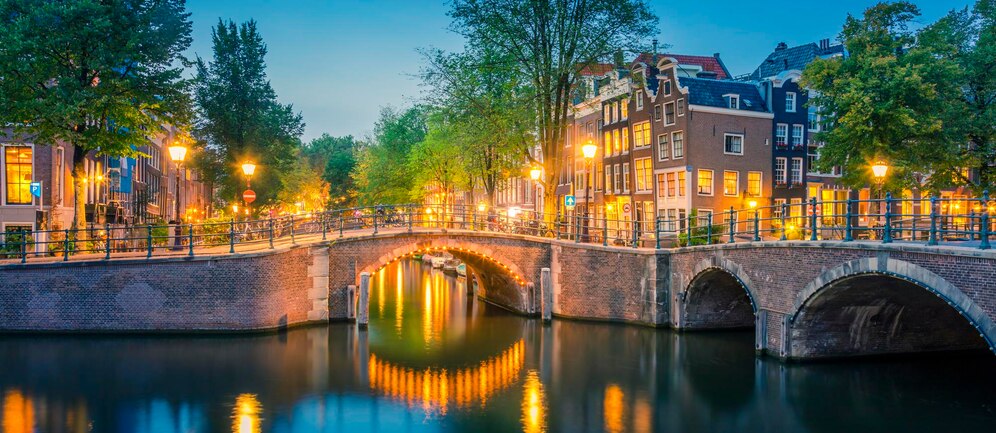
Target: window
(669,113)
(617,178)
(670,185)
(681,107)
(663,147)
(644,174)
(607,143)
(641,134)
(780,172)
(608,179)
(626,177)
(657,113)
(662,185)
(616,145)
(812,155)
(731,183)
(781,134)
(776,211)
(17,169)
(599,176)
(625,139)
(790,102)
(678,144)
(814,120)
(796,171)
(624,109)
(681,184)
(734,144)
(796,135)
(754,183)
(639,100)
(734,101)
(666,87)
(705,182)
(605,113)
(615,111)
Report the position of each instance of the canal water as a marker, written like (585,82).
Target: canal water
(434,359)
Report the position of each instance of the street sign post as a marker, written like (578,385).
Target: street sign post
(249,196)
(569,201)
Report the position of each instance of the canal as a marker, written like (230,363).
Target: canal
(435,359)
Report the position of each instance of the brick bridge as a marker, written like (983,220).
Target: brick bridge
(804,299)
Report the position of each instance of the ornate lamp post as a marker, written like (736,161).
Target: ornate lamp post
(880,169)
(588,151)
(177,152)
(534,174)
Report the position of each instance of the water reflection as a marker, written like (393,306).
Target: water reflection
(434,359)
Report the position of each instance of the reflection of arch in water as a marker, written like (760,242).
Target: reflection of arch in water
(719,368)
(436,390)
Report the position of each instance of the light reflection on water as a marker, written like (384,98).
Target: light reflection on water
(436,360)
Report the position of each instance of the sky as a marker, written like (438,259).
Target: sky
(339,61)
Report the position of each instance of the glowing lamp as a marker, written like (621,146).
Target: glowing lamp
(752,204)
(248,168)
(481,207)
(177,152)
(880,169)
(588,150)
(535,173)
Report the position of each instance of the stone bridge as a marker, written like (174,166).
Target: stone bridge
(804,299)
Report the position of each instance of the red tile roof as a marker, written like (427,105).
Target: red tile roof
(596,69)
(708,63)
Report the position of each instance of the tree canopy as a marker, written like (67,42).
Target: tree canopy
(101,75)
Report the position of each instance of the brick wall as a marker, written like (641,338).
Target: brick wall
(249,292)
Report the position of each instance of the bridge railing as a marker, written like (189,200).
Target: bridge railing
(966,222)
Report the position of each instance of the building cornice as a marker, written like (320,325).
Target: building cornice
(729,112)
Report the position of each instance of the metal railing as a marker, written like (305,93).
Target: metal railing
(952,221)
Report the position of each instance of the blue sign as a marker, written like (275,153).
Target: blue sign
(36,189)
(569,201)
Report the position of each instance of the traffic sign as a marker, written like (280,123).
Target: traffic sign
(36,189)
(249,196)
(627,208)
(570,201)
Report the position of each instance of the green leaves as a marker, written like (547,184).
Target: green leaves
(914,99)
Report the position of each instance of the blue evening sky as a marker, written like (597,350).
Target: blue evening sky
(339,61)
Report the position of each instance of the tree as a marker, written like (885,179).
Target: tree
(917,100)
(549,42)
(303,186)
(239,116)
(381,175)
(488,110)
(436,163)
(335,159)
(102,76)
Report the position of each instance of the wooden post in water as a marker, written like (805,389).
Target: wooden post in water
(546,294)
(363,307)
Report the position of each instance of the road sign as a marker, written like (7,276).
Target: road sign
(627,208)
(570,201)
(36,189)
(249,196)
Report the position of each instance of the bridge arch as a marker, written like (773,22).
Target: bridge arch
(878,305)
(500,279)
(718,296)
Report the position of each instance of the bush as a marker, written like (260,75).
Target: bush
(701,234)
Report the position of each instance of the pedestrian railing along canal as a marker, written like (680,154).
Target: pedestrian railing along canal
(951,221)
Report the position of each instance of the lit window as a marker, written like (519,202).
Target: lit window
(641,134)
(731,183)
(790,102)
(616,145)
(670,185)
(607,143)
(681,184)
(734,144)
(625,140)
(605,113)
(662,185)
(624,108)
(626,177)
(705,182)
(754,183)
(18,174)
(644,174)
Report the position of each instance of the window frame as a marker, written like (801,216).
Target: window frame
(736,188)
(794,98)
(680,107)
(639,100)
(663,148)
(675,147)
(778,130)
(726,137)
(760,184)
(670,118)
(5,185)
(782,178)
(712,182)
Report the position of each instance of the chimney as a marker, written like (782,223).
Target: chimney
(824,44)
(781,46)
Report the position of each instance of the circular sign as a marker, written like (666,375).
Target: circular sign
(627,208)
(249,196)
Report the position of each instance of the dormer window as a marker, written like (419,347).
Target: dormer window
(733,101)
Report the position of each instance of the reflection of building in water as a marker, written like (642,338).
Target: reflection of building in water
(438,389)
(18,413)
(246,414)
(613,407)
(533,404)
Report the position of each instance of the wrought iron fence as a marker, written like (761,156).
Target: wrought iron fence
(953,221)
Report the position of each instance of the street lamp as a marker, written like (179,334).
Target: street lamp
(177,152)
(588,151)
(879,170)
(248,169)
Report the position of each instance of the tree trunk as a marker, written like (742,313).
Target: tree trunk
(79,192)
